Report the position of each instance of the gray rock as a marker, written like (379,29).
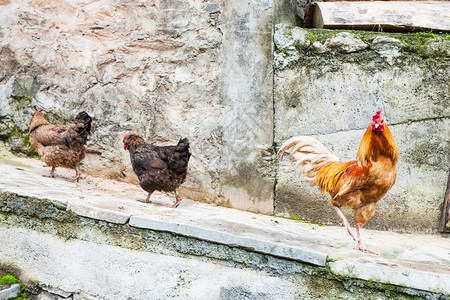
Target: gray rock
(385,43)
(287,37)
(10,293)
(345,42)
(388,48)
(288,41)
(437,47)
(318,48)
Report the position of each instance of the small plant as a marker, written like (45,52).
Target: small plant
(9,279)
(294,218)
(313,37)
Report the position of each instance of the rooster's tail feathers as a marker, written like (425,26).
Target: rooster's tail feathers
(309,155)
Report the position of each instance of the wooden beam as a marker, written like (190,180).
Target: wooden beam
(445,220)
(382,15)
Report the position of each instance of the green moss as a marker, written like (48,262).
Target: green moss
(10,279)
(426,49)
(22,101)
(20,142)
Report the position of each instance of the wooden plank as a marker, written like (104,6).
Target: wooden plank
(445,220)
(382,15)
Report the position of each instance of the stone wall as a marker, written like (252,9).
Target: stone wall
(222,75)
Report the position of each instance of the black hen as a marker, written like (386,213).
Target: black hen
(159,168)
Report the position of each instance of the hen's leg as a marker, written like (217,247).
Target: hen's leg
(360,245)
(52,173)
(344,221)
(77,172)
(178,199)
(148,198)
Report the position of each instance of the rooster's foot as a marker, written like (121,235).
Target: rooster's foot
(364,249)
(347,227)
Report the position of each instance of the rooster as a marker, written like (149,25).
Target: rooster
(159,168)
(358,184)
(60,145)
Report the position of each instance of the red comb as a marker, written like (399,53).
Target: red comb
(37,109)
(376,116)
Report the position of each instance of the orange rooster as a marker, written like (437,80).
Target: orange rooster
(358,184)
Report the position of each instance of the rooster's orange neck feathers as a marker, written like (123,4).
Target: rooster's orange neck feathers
(375,145)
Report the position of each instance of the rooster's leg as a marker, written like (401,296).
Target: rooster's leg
(360,245)
(52,173)
(344,221)
(178,199)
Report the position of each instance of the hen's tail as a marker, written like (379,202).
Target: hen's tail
(83,122)
(180,158)
(309,154)
(79,130)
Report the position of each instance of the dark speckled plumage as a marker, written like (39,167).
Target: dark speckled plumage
(159,168)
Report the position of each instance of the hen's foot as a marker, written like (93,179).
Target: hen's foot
(52,173)
(76,178)
(364,249)
(145,201)
(177,201)
(175,205)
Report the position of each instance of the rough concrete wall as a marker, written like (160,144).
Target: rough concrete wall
(333,95)
(163,69)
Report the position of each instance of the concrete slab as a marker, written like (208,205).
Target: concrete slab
(414,261)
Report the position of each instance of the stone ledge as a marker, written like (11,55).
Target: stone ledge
(229,238)
(417,262)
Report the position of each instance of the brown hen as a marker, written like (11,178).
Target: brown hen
(60,145)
